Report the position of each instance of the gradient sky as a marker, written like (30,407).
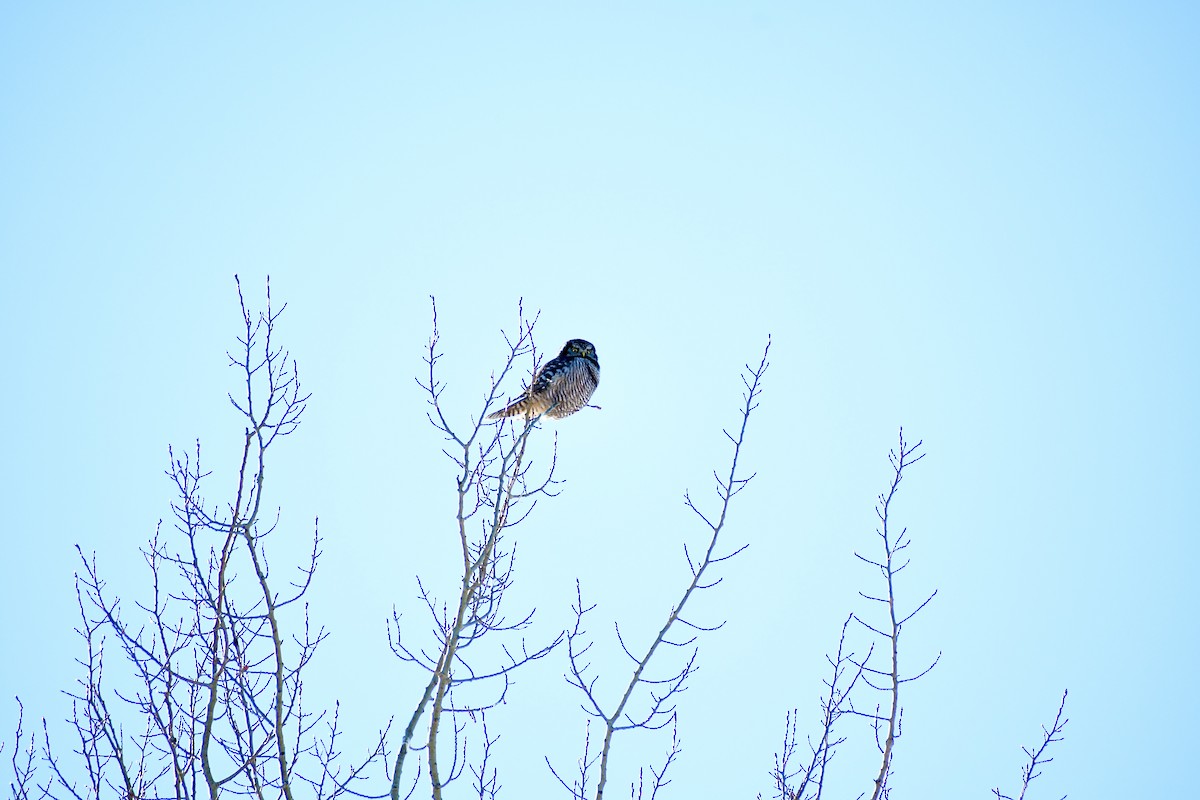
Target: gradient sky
(978,222)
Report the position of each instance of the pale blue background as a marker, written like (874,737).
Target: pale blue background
(979,222)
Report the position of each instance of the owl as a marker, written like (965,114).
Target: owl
(560,388)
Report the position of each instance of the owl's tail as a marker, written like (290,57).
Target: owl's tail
(526,406)
(512,410)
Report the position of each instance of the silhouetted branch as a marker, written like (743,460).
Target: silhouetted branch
(887,725)
(1038,757)
(216,690)
(660,708)
(809,777)
(24,784)
(494,493)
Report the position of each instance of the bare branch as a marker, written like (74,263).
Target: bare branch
(902,458)
(1037,757)
(216,689)
(660,708)
(494,493)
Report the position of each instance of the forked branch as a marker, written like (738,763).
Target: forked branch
(662,692)
(1037,756)
(494,493)
(887,723)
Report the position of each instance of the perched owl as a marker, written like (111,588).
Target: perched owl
(560,388)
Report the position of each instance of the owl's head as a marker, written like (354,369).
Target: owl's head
(580,348)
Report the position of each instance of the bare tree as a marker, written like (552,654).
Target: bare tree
(495,491)
(211,699)
(219,649)
(806,780)
(657,696)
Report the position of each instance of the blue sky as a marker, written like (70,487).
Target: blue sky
(978,222)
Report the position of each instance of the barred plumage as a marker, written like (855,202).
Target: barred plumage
(560,388)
